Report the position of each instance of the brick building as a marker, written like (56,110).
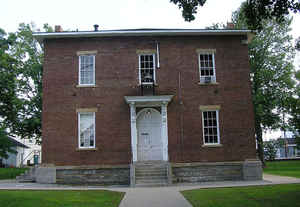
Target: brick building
(120,103)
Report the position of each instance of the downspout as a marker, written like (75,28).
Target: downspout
(181,114)
(157,54)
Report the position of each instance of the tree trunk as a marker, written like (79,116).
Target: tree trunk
(260,147)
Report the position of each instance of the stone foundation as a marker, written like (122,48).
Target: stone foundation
(218,171)
(124,175)
(94,175)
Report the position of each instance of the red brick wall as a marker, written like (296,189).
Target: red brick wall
(117,76)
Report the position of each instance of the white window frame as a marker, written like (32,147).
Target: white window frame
(94,69)
(154,69)
(202,77)
(84,147)
(218,127)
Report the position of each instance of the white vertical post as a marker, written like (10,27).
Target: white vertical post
(164,130)
(133,132)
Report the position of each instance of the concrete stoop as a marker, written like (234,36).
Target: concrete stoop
(28,176)
(38,174)
(155,173)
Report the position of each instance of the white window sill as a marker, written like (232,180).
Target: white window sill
(87,149)
(211,83)
(147,84)
(86,86)
(212,145)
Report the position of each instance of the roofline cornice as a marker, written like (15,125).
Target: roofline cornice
(40,36)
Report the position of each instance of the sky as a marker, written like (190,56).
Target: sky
(118,14)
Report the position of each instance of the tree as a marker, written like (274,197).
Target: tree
(297,44)
(294,120)
(271,147)
(255,10)
(271,60)
(21,82)
(189,7)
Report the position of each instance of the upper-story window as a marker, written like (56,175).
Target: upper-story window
(147,69)
(87,70)
(207,67)
(210,121)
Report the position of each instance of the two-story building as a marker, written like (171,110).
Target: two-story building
(148,106)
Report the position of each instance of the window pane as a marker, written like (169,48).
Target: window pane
(87,69)
(210,127)
(206,131)
(147,68)
(206,65)
(206,139)
(206,72)
(87,129)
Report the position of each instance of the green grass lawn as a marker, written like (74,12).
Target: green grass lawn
(11,173)
(284,168)
(30,198)
(254,196)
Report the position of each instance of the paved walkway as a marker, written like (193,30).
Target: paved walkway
(152,196)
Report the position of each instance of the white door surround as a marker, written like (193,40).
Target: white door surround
(149,101)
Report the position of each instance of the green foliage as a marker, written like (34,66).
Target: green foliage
(284,168)
(257,11)
(294,106)
(271,147)
(297,45)
(21,59)
(252,196)
(217,26)
(11,173)
(6,146)
(66,198)
(189,7)
(271,60)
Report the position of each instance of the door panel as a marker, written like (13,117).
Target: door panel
(149,135)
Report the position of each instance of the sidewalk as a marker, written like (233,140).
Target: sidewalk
(168,196)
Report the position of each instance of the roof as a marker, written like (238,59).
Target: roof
(17,143)
(40,36)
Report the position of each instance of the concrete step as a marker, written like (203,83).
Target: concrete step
(152,173)
(154,180)
(149,170)
(27,176)
(158,173)
(150,177)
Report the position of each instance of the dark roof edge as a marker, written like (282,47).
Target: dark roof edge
(40,36)
(17,143)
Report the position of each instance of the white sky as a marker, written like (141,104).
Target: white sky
(121,14)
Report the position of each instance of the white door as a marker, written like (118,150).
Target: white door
(149,135)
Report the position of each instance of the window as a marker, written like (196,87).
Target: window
(207,67)
(210,122)
(86,123)
(86,70)
(147,69)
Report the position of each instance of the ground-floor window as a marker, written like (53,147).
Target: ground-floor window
(210,122)
(86,129)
